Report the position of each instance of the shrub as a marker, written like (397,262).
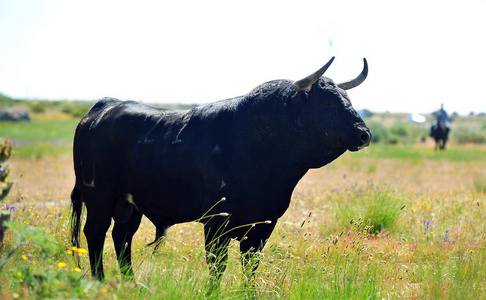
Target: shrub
(5,181)
(379,131)
(378,208)
(400,129)
(76,109)
(398,133)
(464,135)
(38,107)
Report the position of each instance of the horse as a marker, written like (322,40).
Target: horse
(440,133)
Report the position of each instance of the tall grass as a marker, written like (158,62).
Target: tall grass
(376,207)
(480,184)
(301,261)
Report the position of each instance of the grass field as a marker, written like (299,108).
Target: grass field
(392,222)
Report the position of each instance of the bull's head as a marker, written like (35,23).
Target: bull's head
(328,116)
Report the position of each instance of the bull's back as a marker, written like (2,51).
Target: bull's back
(107,137)
(164,158)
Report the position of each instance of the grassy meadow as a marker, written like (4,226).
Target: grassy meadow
(395,221)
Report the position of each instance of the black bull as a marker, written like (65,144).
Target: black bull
(177,166)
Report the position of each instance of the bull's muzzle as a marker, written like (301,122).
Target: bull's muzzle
(364,136)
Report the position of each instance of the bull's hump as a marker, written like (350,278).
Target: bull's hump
(98,119)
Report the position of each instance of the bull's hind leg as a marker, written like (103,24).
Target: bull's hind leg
(122,238)
(97,224)
(160,233)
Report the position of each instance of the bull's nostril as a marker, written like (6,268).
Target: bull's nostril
(365,137)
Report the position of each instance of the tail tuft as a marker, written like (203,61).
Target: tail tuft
(76,207)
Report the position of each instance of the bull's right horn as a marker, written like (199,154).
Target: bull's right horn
(358,80)
(306,83)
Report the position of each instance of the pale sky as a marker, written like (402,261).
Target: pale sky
(420,53)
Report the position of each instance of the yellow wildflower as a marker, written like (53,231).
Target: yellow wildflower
(82,251)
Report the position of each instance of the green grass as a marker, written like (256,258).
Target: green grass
(38,138)
(39,130)
(411,152)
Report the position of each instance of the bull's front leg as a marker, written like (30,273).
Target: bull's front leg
(250,247)
(216,254)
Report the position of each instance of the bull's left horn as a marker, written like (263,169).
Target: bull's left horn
(306,83)
(358,80)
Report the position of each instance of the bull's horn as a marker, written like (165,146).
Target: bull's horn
(358,80)
(306,83)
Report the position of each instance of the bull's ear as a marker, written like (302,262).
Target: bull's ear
(303,96)
(299,99)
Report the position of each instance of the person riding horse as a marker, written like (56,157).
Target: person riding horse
(441,116)
(440,130)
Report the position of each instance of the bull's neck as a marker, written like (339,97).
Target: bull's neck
(281,143)
(276,146)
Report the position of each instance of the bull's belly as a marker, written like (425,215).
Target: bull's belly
(165,207)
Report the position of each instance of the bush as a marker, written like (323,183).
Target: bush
(76,109)
(400,129)
(38,107)
(398,133)
(5,181)
(464,135)
(380,132)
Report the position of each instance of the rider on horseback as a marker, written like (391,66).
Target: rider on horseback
(440,131)
(440,117)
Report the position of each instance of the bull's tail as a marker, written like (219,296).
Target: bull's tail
(76,207)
